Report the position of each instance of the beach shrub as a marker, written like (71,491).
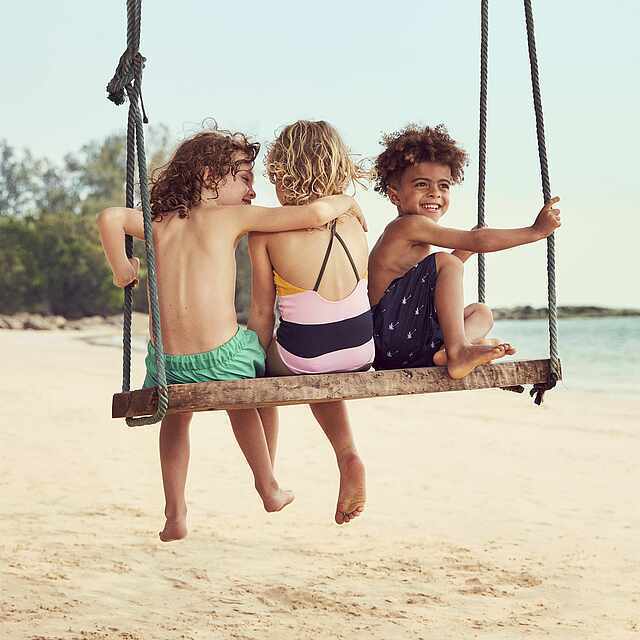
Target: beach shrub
(77,279)
(21,283)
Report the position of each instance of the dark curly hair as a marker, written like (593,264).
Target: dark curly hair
(415,144)
(177,185)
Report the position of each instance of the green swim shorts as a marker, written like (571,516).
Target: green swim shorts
(240,357)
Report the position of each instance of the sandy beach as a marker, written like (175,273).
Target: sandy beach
(487,517)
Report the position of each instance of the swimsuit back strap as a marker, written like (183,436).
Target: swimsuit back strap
(346,250)
(326,257)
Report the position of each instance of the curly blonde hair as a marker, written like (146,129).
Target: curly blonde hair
(309,160)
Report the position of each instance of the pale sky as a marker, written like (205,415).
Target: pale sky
(369,67)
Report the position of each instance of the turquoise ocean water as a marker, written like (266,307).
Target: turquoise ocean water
(600,355)
(597,354)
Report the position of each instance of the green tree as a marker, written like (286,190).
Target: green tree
(76,277)
(21,281)
(18,181)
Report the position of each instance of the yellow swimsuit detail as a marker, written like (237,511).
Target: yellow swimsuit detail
(285,288)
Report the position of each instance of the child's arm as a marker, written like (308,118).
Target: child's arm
(263,290)
(465,255)
(290,218)
(462,255)
(113,224)
(484,240)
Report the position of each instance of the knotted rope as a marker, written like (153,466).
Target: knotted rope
(128,80)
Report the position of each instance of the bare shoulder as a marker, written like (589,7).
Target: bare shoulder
(350,223)
(223,219)
(399,231)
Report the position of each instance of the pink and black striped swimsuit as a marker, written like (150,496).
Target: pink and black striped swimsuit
(317,335)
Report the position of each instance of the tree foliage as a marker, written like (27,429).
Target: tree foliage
(51,260)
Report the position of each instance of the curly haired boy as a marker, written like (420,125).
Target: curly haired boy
(416,294)
(200,202)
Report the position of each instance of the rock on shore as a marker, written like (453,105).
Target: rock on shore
(40,322)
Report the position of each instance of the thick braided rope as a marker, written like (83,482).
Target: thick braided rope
(128,246)
(482,137)
(134,15)
(152,281)
(546,192)
(128,78)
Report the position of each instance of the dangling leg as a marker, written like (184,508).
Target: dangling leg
(270,424)
(462,356)
(333,418)
(249,433)
(174,460)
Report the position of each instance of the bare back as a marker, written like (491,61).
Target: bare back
(196,271)
(393,255)
(297,257)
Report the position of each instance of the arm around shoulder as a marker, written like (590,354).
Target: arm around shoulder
(294,217)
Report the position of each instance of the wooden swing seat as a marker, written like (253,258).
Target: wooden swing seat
(306,389)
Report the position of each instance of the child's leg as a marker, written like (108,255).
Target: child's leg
(462,355)
(333,418)
(248,430)
(174,460)
(269,418)
(478,322)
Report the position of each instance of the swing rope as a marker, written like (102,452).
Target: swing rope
(554,371)
(482,137)
(128,78)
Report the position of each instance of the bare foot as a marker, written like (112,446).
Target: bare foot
(277,499)
(464,361)
(174,529)
(440,357)
(352,494)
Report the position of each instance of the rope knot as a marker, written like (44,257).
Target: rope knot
(129,67)
(540,388)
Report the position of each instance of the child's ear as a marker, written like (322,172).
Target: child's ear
(393,195)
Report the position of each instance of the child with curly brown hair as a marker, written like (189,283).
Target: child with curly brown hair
(416,295)
(201,201)
(317,279)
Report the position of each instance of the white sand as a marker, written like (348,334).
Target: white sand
(487,517)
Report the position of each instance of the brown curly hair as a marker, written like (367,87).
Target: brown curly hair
(415,144)
(177,185)
(309,160)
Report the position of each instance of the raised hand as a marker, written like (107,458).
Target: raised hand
(548,219)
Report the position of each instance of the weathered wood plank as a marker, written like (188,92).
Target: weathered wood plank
(264,392)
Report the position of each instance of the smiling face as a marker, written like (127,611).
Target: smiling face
(237,187)
(423,189)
